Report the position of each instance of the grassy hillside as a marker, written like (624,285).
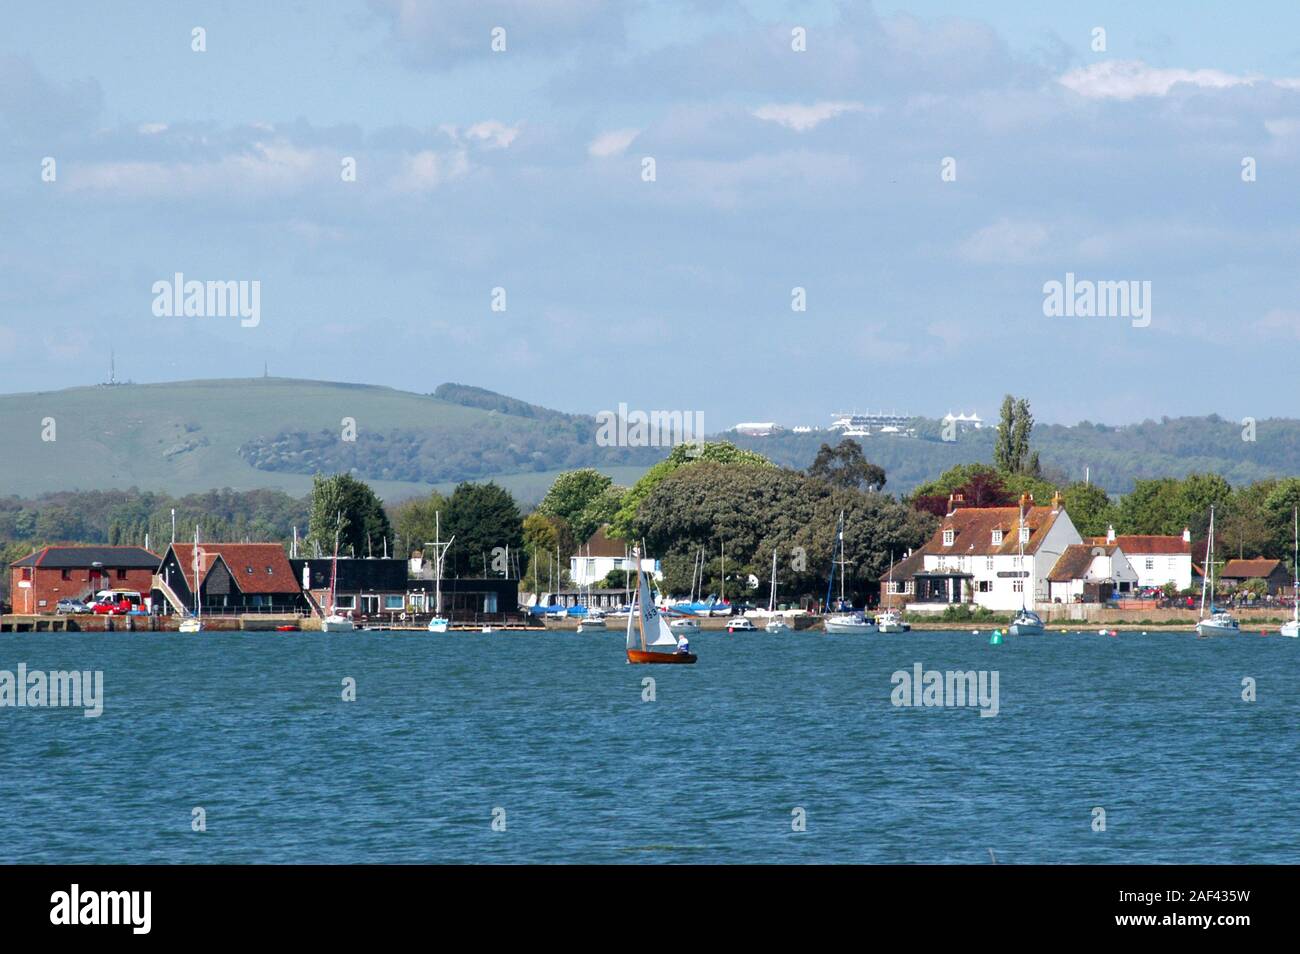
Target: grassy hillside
(185,437)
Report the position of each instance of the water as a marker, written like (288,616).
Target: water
(552,729)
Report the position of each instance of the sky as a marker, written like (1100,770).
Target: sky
(921,170)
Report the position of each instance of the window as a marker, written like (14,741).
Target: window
(1017,586)
(248,569)
(988,563)
(1151,563)
(394,602)
(984,586)
(345,602)
(997,536)
(947,538)
(66,574)
(270,572)
(27,573)
(121,574)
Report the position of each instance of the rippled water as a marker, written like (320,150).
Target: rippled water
(552,729)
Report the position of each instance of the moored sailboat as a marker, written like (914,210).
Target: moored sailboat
(194,624)
(776,625)
(1026,622)
(439,623)
(1291,628)
(1219,622)
(649,638)
(848,622)
(335,622)
(891,621)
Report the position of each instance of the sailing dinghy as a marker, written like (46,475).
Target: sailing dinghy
(649,638)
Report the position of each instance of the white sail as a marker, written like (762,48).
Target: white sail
(653,627)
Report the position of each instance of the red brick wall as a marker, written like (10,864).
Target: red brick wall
(48,584)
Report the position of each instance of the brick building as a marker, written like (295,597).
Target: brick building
(38,581)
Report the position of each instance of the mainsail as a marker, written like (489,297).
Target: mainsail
(646,628)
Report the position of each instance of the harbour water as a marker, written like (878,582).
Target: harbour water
(548,734)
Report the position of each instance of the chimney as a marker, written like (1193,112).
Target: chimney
(1056,501)
(1026,500)
(1110,533)
(953,501)
(1187,535)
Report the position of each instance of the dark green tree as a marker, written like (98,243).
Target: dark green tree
(344,504)
(844,465)
(486,523)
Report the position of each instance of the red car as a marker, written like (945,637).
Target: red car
(118,602)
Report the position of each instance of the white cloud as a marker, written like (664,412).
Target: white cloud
(428,169)
(1128,79)
(801,118)
(492,133)
(1005,242)
(612,143)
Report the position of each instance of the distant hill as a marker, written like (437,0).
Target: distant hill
(191,436)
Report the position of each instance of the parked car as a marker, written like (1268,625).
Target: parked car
(71,606)
(118,602)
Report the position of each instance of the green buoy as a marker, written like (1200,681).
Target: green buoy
(996,638)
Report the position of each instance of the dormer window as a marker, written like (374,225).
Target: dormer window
(947,538)
(1024,534)
(997,536)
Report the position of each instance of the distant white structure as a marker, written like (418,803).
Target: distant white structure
(803,429)
(758,429)
(964,422)
(862,425)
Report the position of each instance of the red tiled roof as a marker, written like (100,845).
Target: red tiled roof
(1147,543)
(78,557)
(973,530)
(239,558)
(1249,569)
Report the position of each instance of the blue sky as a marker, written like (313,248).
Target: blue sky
(775,169)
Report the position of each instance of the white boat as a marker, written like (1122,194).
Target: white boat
(739,624)
(1218,623)
(684,627)
(1291,628)
(1026,622)
(335,622)
(488,628)
(439,623)
(845,623)
(891,621)
(194,624)
(593,622)
(850,624)
(777,626)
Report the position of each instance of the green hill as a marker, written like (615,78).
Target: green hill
(190,436)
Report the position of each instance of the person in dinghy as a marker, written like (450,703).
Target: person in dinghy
(649,637)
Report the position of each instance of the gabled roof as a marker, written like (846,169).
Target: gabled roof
(1249,569)
(255,567)
(906,568)
(126,558)
(973,530)
(602,546)
(1077,559)
(1146,544)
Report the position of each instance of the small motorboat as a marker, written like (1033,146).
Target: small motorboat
(777,626)
(191,625)
(684,627)
(336,623)
(891,621)
(439,624)
(1026,623)
(490,629)
(739,624)
(593,622)
(289,628)
(850,624)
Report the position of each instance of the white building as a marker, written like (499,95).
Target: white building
(600,556)
(964,422)
(1157,559)
(974,556)
(757,428)
(1087,570)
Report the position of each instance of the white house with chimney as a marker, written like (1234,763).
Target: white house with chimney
(1157,559)
(975,556)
